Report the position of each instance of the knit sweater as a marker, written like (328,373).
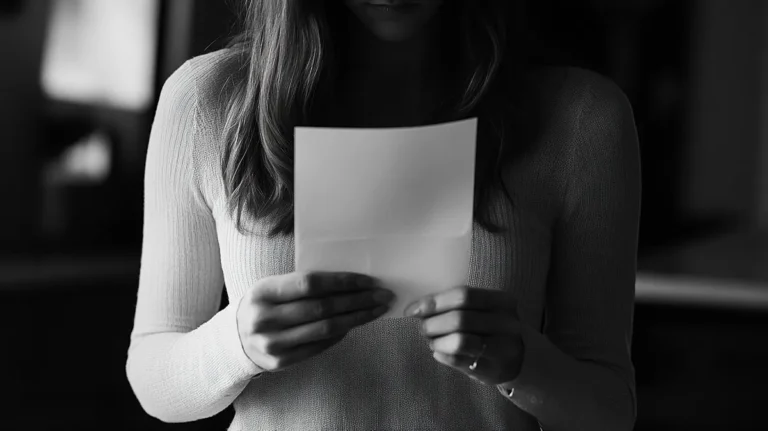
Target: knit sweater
(570,247)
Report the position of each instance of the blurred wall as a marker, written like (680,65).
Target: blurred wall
(763,159)
(722,170)
(21,43)
(192,28)
(213,21)
(176,35)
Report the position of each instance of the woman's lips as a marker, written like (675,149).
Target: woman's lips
(391,3)
(390,10)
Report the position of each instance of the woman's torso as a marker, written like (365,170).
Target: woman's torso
(382,375)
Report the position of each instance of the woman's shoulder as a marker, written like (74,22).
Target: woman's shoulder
(198,92)
(586,112)
(588,125)
(579,96)
(213,74)
(598,100)
(193,91)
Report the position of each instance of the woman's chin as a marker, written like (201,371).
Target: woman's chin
(393,33)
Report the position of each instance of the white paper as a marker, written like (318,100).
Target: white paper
(395,204)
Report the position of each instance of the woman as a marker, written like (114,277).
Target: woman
(556,211)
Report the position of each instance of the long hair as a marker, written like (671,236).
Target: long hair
(290,52)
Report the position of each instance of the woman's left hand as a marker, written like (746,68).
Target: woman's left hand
(459,321)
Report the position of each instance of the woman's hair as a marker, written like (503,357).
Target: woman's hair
(291,51)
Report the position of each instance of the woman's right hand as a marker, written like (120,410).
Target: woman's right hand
(285,319)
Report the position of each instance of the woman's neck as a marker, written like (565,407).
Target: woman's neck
(390,83)
(409,63)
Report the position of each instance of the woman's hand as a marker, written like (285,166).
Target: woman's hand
(288,318)
(458,322)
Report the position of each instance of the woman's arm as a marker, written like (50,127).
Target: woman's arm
(579,375)
(185,361)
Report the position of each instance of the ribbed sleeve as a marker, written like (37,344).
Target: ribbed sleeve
(185,361)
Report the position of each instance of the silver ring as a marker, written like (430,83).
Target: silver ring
(477,358)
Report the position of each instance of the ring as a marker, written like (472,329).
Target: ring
(477,358)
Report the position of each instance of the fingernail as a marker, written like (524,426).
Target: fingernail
(412,309)
(383,296)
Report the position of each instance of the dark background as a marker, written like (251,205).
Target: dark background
(693,70)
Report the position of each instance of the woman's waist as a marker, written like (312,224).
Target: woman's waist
(382,375)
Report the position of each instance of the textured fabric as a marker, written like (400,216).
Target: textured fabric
(185,361)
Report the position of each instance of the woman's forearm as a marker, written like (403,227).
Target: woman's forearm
(566,394)
(187,376)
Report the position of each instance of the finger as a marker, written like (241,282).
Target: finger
(461,363)
(300,353)
(463,298)
(474,322)
(457,361)
(294,313)
(293,286)
(469,345)
(280,341)
(459,343)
